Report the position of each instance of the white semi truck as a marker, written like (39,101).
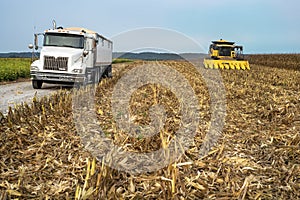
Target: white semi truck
(71,56)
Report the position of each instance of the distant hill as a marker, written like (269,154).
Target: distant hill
(147,56)
(127,55)
(157,56)
(16,55)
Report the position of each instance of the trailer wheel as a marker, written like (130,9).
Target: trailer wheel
(37,84)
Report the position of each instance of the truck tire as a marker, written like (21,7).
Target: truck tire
(108,72)
(37,84)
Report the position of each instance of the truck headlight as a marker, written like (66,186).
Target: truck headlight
(34,68)
(77,70)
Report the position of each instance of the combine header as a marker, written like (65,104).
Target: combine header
(226,55)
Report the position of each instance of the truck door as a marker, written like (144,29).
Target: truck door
(90,60)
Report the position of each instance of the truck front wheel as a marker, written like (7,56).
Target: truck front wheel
(37,84)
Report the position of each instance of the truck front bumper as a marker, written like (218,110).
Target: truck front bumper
(56,77)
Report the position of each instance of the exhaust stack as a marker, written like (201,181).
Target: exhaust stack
(54,24)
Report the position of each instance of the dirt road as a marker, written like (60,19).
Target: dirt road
(15,93)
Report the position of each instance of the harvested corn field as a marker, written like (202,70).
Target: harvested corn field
(286,61)
(257,155)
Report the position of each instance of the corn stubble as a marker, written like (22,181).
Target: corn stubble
(257,157)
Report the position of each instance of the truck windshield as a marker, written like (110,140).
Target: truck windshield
(64,40)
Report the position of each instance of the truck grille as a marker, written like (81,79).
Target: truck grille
(59,63)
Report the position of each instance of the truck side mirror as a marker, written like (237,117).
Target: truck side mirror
(85,53)
(36,43)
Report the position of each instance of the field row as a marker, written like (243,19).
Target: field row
(286,61)
(14,68)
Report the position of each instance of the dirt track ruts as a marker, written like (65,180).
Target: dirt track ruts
(16,93)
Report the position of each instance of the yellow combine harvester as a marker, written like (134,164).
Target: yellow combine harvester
(226,55)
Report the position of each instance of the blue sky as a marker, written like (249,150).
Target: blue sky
(265,26)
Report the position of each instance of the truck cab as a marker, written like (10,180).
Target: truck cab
(71,56)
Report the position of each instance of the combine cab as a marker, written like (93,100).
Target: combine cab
(226,55)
